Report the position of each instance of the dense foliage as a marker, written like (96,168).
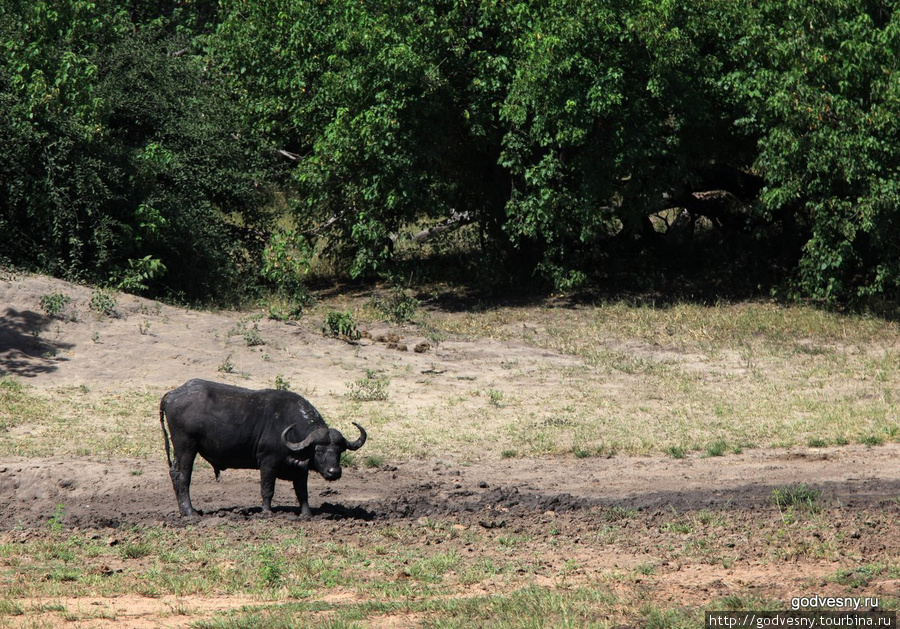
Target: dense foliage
(143,142)
(124,160)
(819,83)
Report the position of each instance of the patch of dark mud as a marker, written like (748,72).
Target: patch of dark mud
(435,501)
(85,493)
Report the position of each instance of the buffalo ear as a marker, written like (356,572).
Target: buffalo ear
(356,445)
(317,436)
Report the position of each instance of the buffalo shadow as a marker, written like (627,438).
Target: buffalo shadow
(23,351)
(326,511)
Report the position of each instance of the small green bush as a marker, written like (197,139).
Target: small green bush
(285,264)
(340,325)
(227,366)
(252,337)
(281,384)
(54,303)
(372,388)
(398,307)
(103,301)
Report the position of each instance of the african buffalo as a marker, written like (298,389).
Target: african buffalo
(233,427)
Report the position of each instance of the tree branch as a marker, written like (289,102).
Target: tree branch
(315,231)
(456,220)
(291,156)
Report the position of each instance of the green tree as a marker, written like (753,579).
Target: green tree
(552,126)
(53,191)
(612,115)
(820,87)
(141,141)
(372,101)
(127,163)
(197,183)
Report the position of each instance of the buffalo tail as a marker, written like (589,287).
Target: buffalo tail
(162,422)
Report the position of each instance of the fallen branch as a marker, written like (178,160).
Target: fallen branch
(456,220)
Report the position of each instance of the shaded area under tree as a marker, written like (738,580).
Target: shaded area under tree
(23,351)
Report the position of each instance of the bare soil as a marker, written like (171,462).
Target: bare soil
(138,492)
(564,504)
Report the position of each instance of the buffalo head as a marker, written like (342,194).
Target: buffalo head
(323,447)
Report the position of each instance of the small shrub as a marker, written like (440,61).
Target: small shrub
(135,550)
(281,384)
(398,307)
(716,448)
(656,618)
(286,260)
(677,527)
(287,309)
(11,386)
(55,523)
(614,514)
(9,608)
(271,568)
(139,273)
(54,303)
(676,452)
(860,576)
(372,388)
(227,366)
(103,301)
(340,325)
(374,460)
(252,337)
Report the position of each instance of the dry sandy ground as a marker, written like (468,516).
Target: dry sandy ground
(859,484)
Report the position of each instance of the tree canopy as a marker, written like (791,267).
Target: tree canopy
(161,145)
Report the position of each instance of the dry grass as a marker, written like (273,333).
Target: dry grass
(77,421)
(589,380)
(687,376)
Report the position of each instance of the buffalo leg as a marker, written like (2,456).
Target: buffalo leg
(180,472)
(302,492)
(267,485)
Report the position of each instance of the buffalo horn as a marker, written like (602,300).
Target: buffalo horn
(356,445)
(314,437)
